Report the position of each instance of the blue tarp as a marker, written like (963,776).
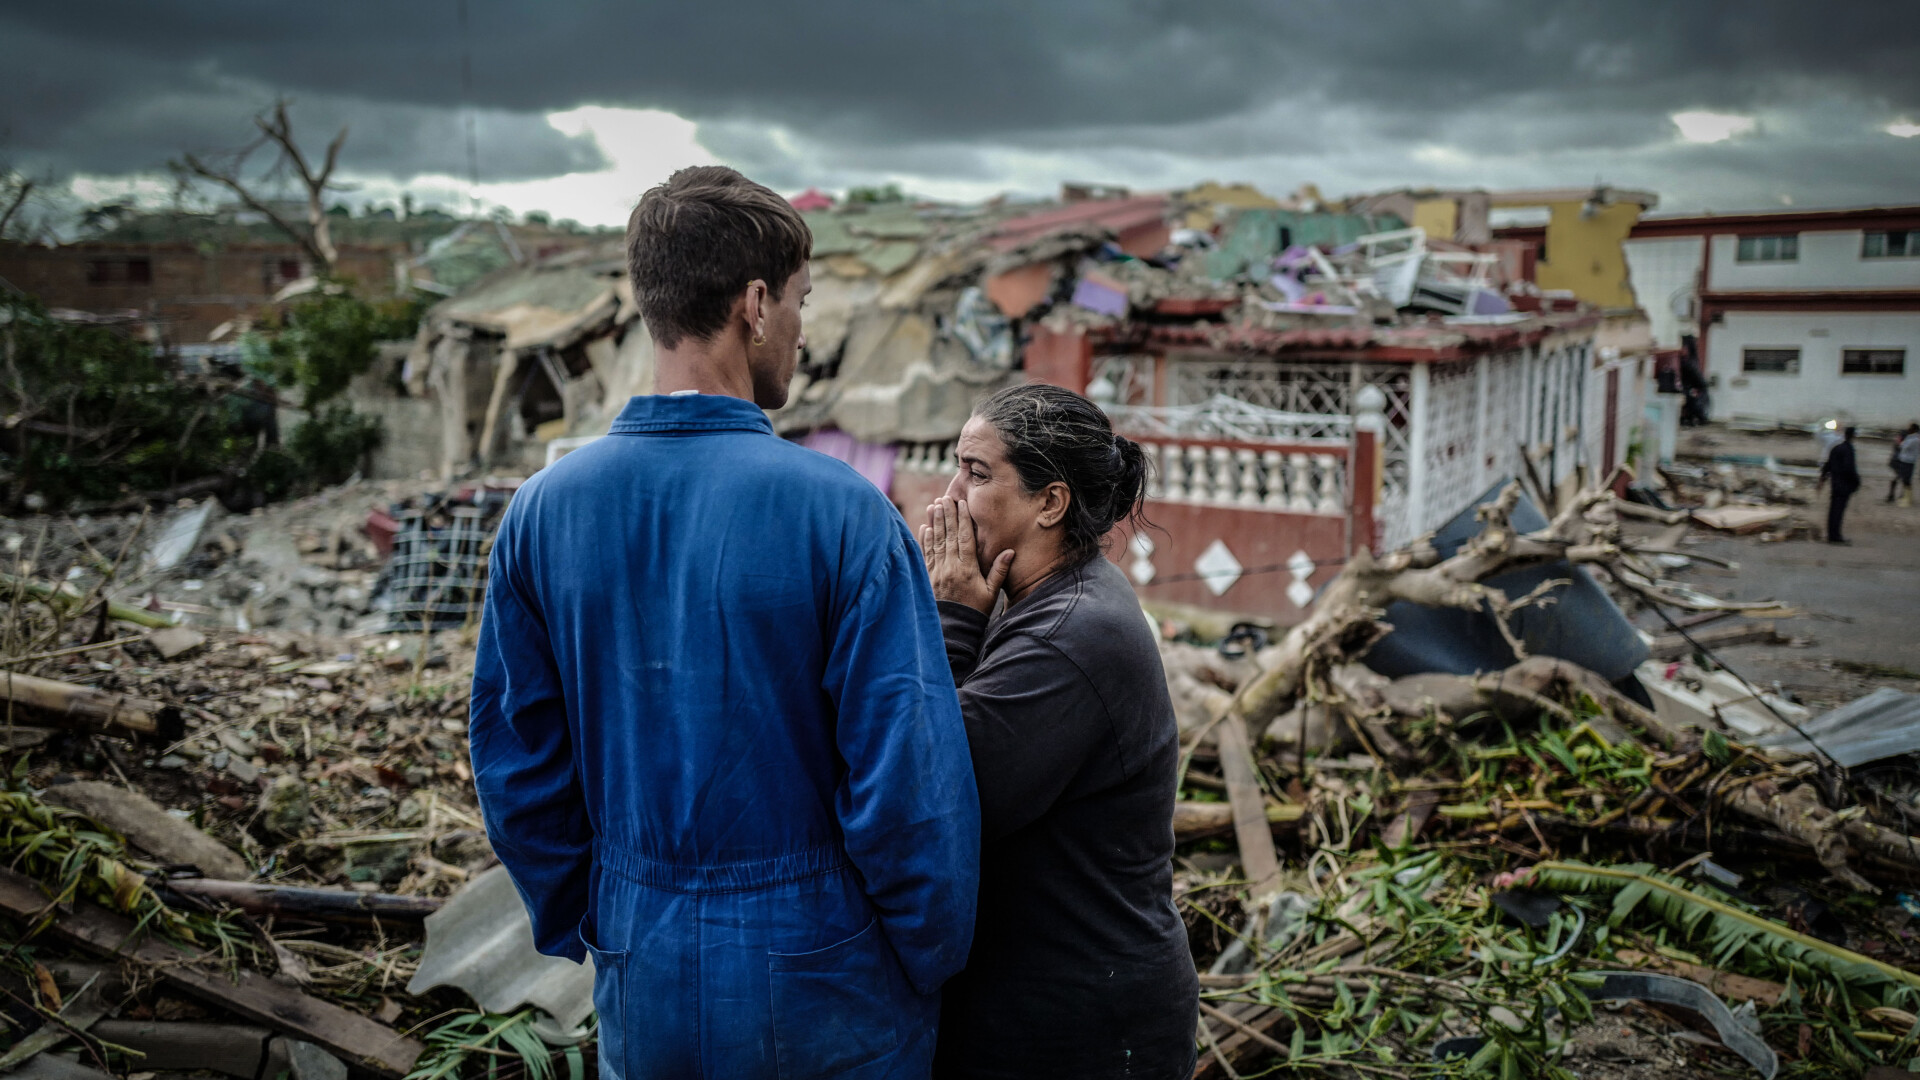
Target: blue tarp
(1583,625)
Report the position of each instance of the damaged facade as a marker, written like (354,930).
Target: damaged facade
(1240,355)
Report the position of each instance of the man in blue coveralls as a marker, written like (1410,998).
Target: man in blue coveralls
(714,731)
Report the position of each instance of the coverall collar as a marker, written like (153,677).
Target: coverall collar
(649,414)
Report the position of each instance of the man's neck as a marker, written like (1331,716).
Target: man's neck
(704,367)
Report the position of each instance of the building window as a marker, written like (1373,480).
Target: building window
(1768,248)
(276,274)
(137,271)
(1897,244)
(1770,361)
(1873,361)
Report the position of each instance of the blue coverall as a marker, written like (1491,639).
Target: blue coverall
(717,746)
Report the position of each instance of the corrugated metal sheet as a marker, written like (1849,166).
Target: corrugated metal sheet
(1884,724)
(482,942)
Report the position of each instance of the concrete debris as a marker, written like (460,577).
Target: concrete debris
(175,641)
(148,826)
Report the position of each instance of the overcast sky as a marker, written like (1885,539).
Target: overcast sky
(578,105)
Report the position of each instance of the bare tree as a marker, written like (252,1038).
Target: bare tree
(316,238)
(14,189)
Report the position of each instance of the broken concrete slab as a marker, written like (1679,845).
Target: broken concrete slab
(176,641)
(150,828)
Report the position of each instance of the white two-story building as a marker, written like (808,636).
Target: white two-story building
(1799,315)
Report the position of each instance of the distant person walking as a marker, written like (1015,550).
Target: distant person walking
(1844,471)
(1906,451)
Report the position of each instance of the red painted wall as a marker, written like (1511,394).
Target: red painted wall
(1257,538)
(1062,358)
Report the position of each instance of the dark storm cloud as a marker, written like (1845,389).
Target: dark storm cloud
(73,106)
(120,84)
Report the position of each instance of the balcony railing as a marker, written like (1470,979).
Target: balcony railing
(1298,479)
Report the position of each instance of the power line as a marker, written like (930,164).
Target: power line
(466,97)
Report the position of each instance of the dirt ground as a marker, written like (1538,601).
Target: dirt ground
(1861,629)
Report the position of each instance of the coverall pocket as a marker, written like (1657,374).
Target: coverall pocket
(610,1002)
(833,1008)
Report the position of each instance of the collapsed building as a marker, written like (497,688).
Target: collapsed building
(1308,381)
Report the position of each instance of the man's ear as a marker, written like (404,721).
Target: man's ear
(754,308)
(1053,510)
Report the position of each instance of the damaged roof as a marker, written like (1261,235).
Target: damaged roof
(545,304)
(1428,341)
(1113,215)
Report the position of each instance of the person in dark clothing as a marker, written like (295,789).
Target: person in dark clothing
(1844,471)
(1080,965)
(1693,382)
(1906,452)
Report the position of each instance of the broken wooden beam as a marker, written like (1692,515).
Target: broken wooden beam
(249,994)
(1676,647)
(83,706)
(322,905)
(1236,1030)
(1194,820)
(1258,860)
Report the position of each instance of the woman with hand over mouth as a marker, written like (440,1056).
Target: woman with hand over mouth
(1080,965)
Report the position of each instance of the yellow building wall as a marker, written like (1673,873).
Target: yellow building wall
(1210,197)
(1439,217)
(1584,254)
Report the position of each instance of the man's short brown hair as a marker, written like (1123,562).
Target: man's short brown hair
(696,241)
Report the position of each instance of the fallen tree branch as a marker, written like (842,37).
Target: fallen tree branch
(86,707)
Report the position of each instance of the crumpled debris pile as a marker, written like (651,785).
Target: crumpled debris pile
(1521,871)
(286,806)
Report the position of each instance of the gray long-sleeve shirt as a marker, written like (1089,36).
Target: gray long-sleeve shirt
(1080,965)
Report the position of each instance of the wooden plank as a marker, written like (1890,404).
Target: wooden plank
(249,994)
(1234,1042)
(1675,647)
(1258,859)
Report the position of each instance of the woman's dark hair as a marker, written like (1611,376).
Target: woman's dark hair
(1053,434)
(695,242)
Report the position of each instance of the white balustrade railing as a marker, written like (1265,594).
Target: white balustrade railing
(1294,481)
(1297,482)
(926,457)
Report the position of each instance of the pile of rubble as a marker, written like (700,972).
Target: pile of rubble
(1455,859)
(256,848)
(237,765)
